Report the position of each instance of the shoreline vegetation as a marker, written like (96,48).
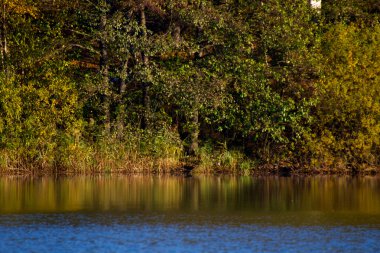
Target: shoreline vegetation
(238,87)
(166,159)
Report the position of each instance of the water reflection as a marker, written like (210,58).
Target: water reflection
(165,193)
(199,214)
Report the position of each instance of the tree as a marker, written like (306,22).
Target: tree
(39,102)
(346,130)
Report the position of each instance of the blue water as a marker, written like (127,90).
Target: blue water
(198,214)
(107,232)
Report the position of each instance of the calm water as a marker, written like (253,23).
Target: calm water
(198,214)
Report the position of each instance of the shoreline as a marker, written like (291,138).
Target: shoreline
(191,171)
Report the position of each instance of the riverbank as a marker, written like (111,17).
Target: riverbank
(167,167)
(148,152)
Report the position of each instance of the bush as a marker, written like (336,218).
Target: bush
(347,127)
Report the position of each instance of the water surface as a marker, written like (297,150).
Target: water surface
(196,214)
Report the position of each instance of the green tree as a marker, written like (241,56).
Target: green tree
(347,125)
(39,104)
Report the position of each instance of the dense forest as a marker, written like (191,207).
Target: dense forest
(215,85)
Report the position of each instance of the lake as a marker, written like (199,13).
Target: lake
(115,213)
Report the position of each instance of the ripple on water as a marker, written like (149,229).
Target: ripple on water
(84,233)
(199,214)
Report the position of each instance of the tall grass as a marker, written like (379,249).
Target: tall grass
(134,151)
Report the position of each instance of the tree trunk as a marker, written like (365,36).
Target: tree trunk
(145,85)
(123,77)
(194,132)
(2,35)
(122,89)
(3,40)
(177,35)
(146,103)
(104,70)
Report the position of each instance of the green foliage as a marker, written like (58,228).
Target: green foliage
(38,112)
(271,85)
(118,84)
(347,116)
(214,158)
